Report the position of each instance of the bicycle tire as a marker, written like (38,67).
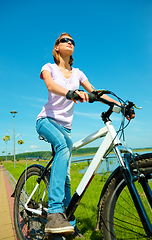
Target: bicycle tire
(29,225)
(118,216)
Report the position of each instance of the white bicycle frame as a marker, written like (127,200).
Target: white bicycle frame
(111,139)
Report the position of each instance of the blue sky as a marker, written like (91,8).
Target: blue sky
(113,48)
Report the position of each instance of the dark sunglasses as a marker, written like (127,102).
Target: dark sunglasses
(64,40)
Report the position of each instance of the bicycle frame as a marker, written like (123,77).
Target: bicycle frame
(110,140)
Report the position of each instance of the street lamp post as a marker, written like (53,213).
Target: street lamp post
(13,113)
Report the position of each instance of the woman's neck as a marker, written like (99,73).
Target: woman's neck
(64,63)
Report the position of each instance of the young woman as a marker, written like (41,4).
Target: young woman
(54,124)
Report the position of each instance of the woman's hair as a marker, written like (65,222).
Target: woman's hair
(56,54)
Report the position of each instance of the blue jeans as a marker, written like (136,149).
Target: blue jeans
(59,194)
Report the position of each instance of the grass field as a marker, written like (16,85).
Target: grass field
(86,213)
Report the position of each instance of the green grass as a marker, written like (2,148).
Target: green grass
(86,213)
(20,167)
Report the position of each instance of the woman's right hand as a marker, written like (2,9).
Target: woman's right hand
(77,95)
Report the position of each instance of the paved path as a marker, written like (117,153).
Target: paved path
(6,208)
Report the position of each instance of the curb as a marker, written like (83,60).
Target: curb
(6,211)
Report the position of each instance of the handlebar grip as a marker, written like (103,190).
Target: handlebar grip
(76,96)
(92,97)
(72,95)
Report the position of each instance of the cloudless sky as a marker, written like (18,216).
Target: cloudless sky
(113,48)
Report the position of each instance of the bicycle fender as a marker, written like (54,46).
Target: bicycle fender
(33,165)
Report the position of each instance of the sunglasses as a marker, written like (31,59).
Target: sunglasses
(64,40)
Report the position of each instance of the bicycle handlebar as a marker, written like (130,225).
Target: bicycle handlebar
(96,95)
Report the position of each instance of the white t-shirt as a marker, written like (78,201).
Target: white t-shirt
(58,107)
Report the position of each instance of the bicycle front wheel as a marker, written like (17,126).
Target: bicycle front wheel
(118,215)
(29,225)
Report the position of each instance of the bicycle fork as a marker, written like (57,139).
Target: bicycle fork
(135,195)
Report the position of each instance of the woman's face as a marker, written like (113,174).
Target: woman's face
(65,46)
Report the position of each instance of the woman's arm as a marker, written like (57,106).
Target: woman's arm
(52,86)
(88,87)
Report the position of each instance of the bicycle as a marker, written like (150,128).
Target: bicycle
(125,204)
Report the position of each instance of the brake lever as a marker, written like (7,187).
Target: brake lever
(131,104)
(101,92)
(137,107)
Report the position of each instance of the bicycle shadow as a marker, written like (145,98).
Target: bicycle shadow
(87,225)
(88,228)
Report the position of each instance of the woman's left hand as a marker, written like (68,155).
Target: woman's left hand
(129,113)
(131,116)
